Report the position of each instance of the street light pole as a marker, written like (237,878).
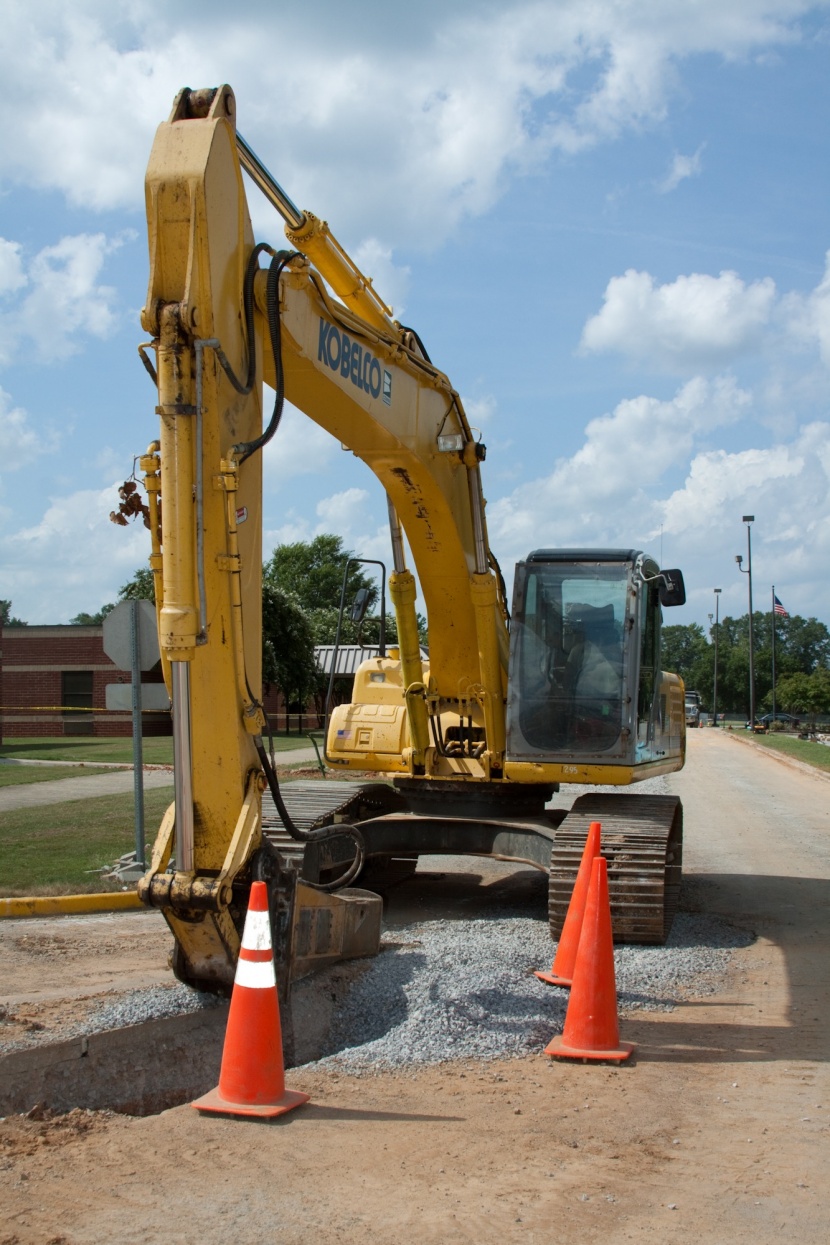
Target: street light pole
(748,519)
(715,693)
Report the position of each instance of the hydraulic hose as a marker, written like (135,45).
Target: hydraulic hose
(323,834)
(246,448)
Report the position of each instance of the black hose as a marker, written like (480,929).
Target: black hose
(417,341)
(323,834)
(246,448)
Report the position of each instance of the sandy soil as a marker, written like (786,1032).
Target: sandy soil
(55,971)
(716,1132)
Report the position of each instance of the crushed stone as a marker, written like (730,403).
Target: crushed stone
(446,990)
(443,990)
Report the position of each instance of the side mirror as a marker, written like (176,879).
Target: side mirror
(360,605)
(672,589)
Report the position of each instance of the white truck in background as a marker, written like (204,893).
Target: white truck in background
(693,709)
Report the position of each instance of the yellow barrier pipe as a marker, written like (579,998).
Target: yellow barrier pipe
(68,905)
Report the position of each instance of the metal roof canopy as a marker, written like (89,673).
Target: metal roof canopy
(349,657)
(584,555)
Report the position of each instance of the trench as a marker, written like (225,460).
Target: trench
(146,1068)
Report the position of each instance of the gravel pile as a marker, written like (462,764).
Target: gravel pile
(157,1003)
(131,1008)
(447,990)
(461,989)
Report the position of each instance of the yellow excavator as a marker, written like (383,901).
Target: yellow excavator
(470,744)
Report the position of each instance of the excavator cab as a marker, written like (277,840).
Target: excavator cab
(586,688)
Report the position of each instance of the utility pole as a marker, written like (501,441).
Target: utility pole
(773,653)
(715,692)
(749,519)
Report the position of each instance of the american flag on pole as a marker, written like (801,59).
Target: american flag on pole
(778,608)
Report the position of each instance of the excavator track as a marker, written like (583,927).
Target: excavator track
(313,803)
(642,840)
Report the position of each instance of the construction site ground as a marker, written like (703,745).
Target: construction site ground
(716,1131)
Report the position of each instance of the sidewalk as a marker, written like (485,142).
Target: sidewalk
(39,794)
(62,790)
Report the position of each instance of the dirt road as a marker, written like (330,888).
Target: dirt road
(717,1132)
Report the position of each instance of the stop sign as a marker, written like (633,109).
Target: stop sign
(117,635)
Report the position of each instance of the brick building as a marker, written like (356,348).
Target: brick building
(53,681)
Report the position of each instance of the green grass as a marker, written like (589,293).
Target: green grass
(156,751)
(817,755)
(50,850)
(47,851)
(18,775)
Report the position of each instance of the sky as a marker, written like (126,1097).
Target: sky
(607,220)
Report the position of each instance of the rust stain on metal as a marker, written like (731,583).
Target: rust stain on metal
(418,505)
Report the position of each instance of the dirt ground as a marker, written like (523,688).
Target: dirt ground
(716,1131)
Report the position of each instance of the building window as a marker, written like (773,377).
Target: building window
(76,694)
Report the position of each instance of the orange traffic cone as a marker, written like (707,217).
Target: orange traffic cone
(591,1030)
(252,1079)
(562,969)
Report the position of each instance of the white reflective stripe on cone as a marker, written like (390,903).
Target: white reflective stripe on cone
(256,974)
(256,935)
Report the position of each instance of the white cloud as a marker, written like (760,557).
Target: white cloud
(809,317)
(299,447)
(479,410)
(601,495)
(696,322)
(390,282)
(73,559)
(61,298)
(21,443)
(681,168)
(419,122)
(719,480)
(787,488)
(337,513)
(12,276)
(618,490)
(296,528)
(352,514)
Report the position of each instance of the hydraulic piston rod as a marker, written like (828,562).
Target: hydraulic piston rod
(182,765)
(314,238)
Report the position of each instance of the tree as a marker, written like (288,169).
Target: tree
(313,572)
(802,647)
(324,628)
(801,644)
(803,693)
(92,620)
(287,647)
(6,617)
(686,651)
(141,587)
